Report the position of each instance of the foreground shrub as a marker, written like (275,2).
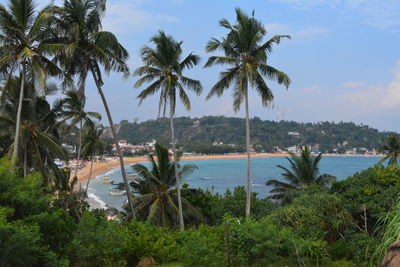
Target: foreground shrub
(21,244)
(215,206)
(146,240)
(98,242)
(56,229)
(369,194)
(315,215)
(24,194)
(203,246)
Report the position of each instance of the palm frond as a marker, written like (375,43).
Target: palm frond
(274,74)
(225,80)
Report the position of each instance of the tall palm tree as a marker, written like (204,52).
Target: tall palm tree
(93,145)
(245,51)
(163,69)
(158,197)
(304,173)
(88,48)
(73,109)
(38,135)
(24,47)
(392,150)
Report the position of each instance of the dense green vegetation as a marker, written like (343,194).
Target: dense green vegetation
(265,134)
(312,226)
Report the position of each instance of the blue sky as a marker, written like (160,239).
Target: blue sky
(343,58)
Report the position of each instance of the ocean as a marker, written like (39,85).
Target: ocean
(220,175)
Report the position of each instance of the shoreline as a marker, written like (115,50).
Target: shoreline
(100,168)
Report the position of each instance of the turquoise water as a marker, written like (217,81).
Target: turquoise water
(219,175)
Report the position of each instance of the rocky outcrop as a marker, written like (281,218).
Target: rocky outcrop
(107,134)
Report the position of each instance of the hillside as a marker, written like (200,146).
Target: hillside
(230,132)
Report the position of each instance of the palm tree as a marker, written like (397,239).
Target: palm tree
(303,174)
(392,150)
(70,200)
(158,197)
(73,108)
(93,144)
(247,55)
(38,134)
(24,47)
(87,49)
(163,69)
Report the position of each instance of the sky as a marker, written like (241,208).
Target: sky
(343,58)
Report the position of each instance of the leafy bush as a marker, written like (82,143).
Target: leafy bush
(373,190)
(98,242)
(259,242)
(203,246)
(56,229)
(316,215)
(24,194)
(216,206)
(146,240)
(20,244)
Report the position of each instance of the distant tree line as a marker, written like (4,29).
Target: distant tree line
(198,134)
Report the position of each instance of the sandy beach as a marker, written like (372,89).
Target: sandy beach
(103,167)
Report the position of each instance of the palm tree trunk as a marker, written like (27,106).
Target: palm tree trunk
(121,159)
(249,179)
(79,149)
(178,188)
(18,123)
(90,175)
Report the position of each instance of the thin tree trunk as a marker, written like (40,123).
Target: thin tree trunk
(249,179)
(121,159)
(90,175)
(178,188)
(18,124)
(79,149)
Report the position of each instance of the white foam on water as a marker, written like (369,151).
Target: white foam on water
(97,200)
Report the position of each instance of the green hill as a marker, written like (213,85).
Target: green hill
(198,133)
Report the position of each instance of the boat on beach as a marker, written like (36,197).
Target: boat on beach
(117,193)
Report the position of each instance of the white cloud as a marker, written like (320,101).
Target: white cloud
(376,97)
(125,17)
(378,13)
(352,84)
